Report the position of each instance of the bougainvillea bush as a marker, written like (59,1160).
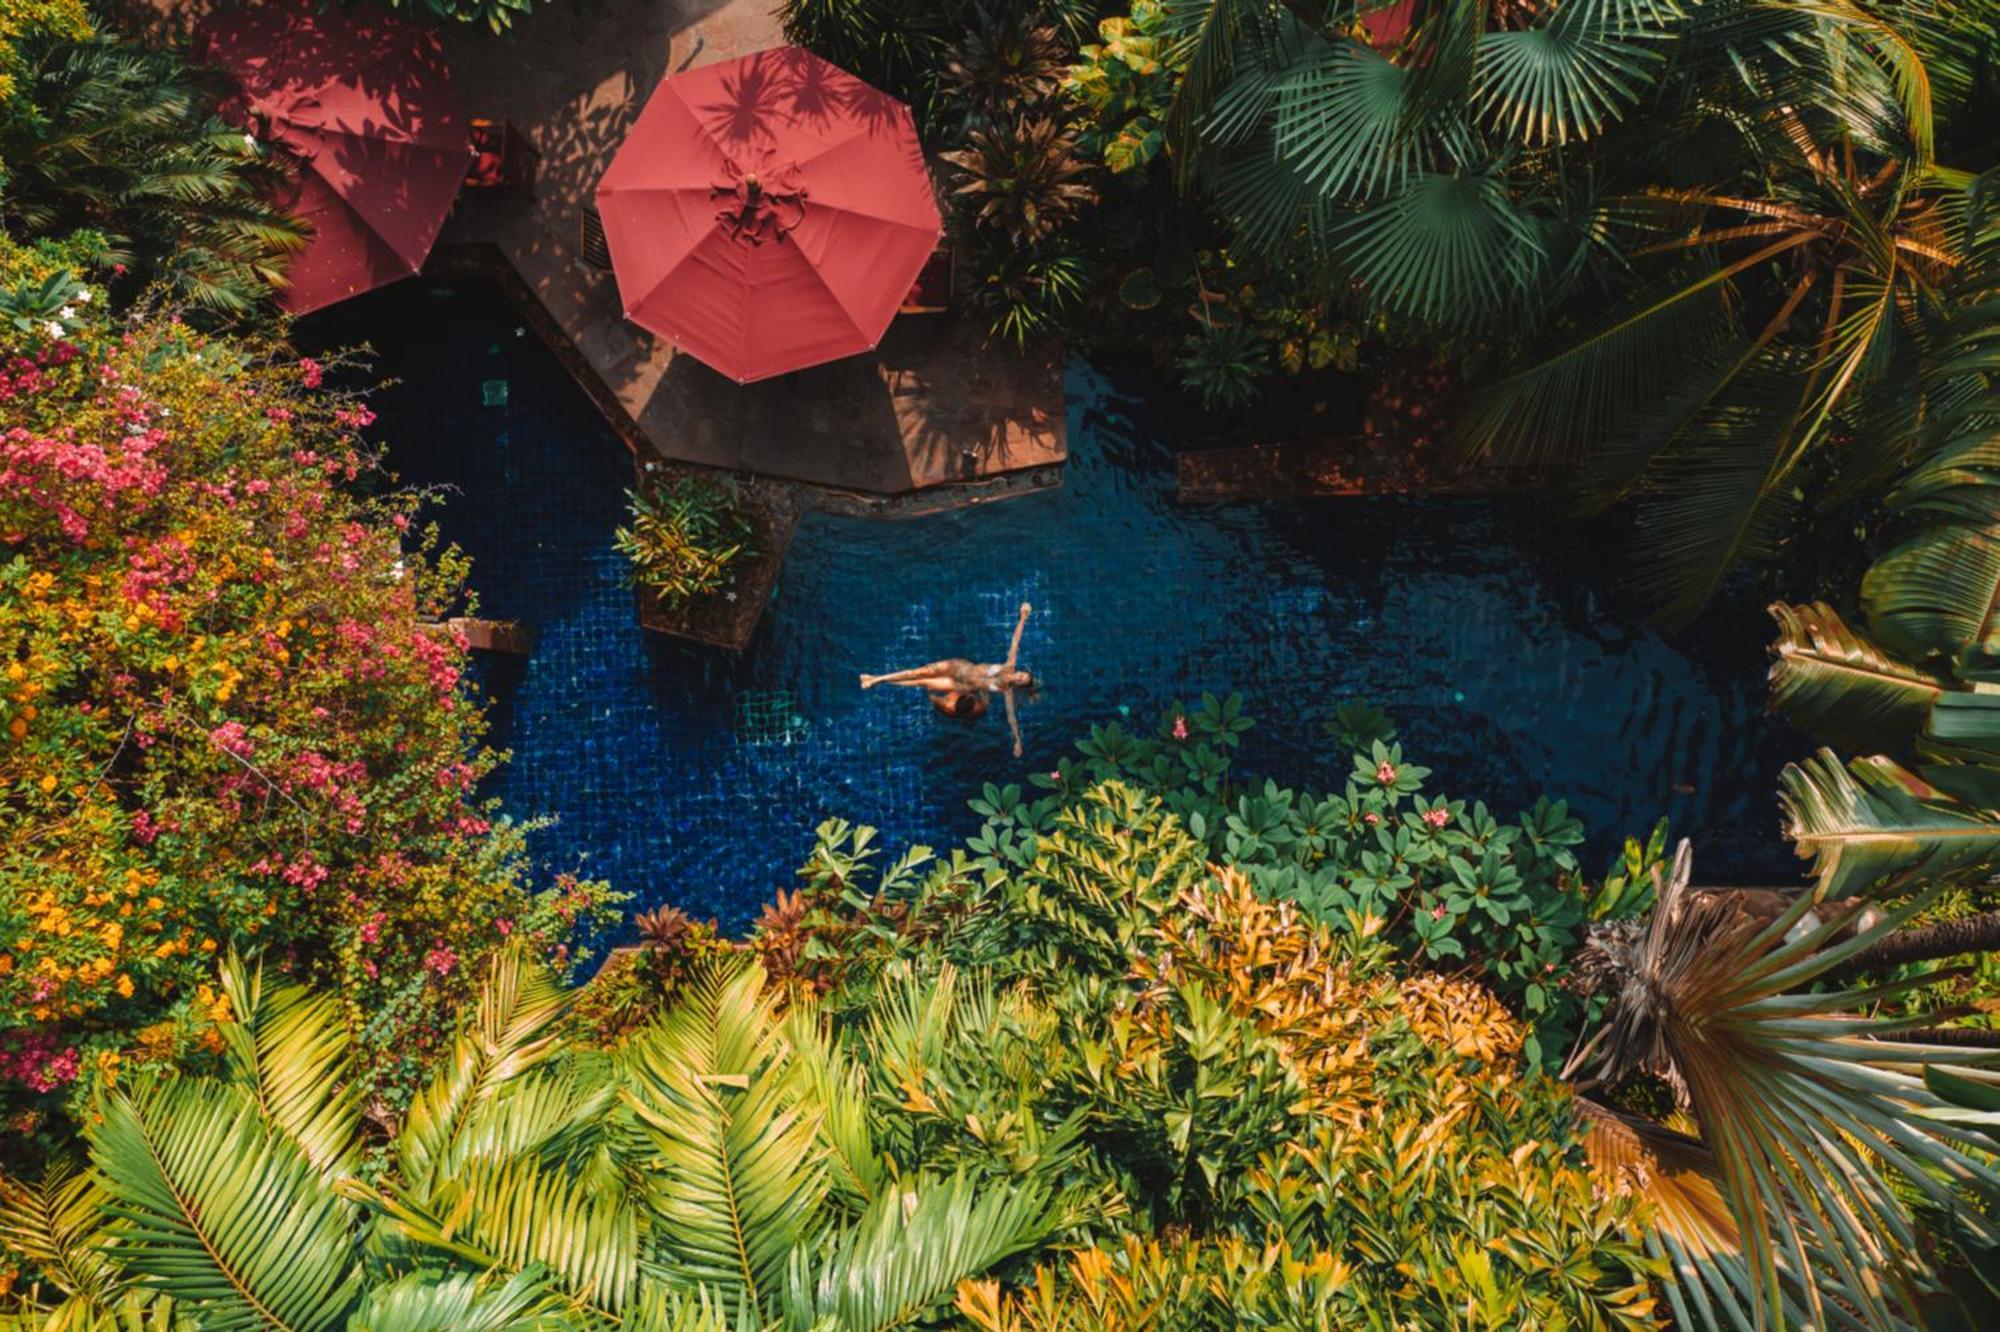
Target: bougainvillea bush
(226,717)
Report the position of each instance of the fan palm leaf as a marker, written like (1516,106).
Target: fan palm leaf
(1445,249)
(1796,1096)
(739,1174)
(1573,73)
(230,1219)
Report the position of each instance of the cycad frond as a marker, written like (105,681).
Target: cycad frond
(523,1217)
(57,1223)
(231,1220)
(427,1302)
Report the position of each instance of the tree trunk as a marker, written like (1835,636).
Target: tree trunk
(1928,943)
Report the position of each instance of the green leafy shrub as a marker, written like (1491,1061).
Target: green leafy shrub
(685,537)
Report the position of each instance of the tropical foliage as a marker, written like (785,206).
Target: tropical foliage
(99,133)
(685,537)
(229,719)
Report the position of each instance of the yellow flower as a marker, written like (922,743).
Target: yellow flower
(48,783)
(18,728)
(16,671)
(124,985)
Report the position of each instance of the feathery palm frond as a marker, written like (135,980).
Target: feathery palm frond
(912,1248)
(739,1175)
(288,1050)
(230,1219)
(511,1033)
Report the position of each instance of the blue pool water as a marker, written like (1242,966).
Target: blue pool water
(691,777)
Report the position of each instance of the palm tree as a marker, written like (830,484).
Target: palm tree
(717,1173)
(1777,1212)
(109,137)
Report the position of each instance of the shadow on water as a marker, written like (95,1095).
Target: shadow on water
(687,776)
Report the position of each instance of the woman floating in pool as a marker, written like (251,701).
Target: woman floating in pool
(958,688)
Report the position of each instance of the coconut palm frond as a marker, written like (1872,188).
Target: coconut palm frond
(1797,1097)
(288,1050)
(230,1219)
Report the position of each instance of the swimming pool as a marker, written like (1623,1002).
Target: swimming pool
(690,777)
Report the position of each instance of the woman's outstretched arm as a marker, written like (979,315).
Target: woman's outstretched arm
(1013,723)
(1014,648)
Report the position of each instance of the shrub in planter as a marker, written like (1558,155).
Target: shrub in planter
(685,538)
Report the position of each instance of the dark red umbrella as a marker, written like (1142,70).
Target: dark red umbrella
(768,213)
(363,100)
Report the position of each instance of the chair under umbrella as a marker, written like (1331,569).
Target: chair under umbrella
(363,101)
(768,213)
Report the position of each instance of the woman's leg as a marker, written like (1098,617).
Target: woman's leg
(937,675)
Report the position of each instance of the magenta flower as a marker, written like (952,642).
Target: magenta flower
(1438,817)
(1437,913)
(1385,773)
(1180,728)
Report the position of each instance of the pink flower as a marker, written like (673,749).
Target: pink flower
(1372,819)
(1180,728)
(310,372)
(1385,773)
(1055,775)
(441,960)
(1437,913)
(505,926)
(1438,817)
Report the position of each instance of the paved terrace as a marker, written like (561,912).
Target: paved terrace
(931,406)
(932,409)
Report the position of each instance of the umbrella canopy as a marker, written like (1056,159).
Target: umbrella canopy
(363,100)
(768,213)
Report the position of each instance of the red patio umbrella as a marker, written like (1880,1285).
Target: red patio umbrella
(768,213)
(363,100)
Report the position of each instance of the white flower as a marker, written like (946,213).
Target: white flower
(249,143)
(729,596)
(82,296)
(53,329)
(398,571)
(67,313)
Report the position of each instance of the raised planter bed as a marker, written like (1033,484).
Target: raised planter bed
(728,620)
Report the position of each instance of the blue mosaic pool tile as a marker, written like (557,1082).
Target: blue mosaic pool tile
(1473,623)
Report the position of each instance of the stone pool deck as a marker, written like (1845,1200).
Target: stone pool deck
(931,409)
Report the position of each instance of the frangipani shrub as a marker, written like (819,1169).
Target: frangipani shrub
(224,719)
